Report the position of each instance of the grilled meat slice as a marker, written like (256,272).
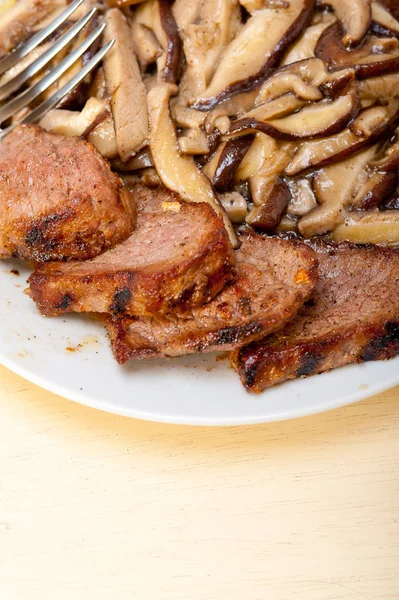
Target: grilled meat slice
(353,316)
(178,257)
(274,277)
(58,198)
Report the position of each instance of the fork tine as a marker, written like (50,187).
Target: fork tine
(29,95)
(52,102)
(14,84)
(9,61)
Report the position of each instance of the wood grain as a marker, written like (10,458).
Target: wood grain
(95,506)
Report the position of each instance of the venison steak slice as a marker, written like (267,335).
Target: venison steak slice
(59,199)
(179,257)
(353,316)
(274,277)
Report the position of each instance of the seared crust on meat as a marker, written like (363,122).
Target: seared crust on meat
(178,258)
(274,277)
(59,199)
(353,316)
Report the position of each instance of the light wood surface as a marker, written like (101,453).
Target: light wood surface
(95,506)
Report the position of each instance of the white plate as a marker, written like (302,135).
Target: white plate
(71,357)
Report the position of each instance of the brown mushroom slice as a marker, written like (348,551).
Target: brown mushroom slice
(337,81)
(209,168)
(302,79)
(355,16)
(374,56)
(146,45)
(302,198)
(368,121)
(235,206)
(317,120)
(125,87)
(178,172)
(157,16)
(369,228)
(142,160)
(378,188)
(383,22)
(255,120)
(229,161)
(204,41)
(123,3)
(266,217)
(255,51)
(334,188)
(262,148)
(72,123)
(186,117)
(304,48)
(18,21)
(272,168)
(390,160)
(317,153)
(235,107)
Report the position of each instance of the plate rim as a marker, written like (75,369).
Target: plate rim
(153,417)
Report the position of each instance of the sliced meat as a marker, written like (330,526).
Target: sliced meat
(274,278)
(353,316)
(178,257)
(58,198)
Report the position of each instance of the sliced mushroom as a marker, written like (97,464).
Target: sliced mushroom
(337,82)
(272,168)
(383,22)
(317,120)
(235,206)
(390,160)
(103,137)
(305,46)
(267,216)
(334,188)
(255,120)
(178,173)
(262,148)
(369,228)
(302,78)
(256,51)
(18,21)
(288,224)
(125,87)
(146,45)
(318,153)
(209,168)
(368,121)
(229,161)
(157,16)
(235,107)
(142,160)
(374,56)
(204,41)
(302,198)
(73,123)
(355,16)
(123,3)
(185,12)
(194,141)
(378,188)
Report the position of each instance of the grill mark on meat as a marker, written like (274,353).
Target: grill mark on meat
(308,364)
(385,346)
(263,296)
(353,316)
(121,301)
(65,302)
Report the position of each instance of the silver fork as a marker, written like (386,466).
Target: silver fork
(26,97)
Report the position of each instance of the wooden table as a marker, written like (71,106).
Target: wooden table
(94,506)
